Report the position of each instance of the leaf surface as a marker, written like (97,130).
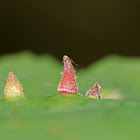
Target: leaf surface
(43,114)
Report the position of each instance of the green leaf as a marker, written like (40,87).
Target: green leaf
(43,114)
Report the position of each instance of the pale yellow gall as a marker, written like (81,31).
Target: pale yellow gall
(13,87)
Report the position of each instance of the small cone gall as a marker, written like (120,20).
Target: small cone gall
(13,87)
(68,83)
(95,92)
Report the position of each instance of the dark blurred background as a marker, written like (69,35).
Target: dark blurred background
(86,30)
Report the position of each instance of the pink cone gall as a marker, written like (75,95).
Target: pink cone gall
(95,92)
(68,83)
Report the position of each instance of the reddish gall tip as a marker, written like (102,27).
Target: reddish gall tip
(65,57)
(97,84)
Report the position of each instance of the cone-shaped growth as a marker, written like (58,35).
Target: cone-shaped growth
(13,87)
(68,83)
(95,92)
